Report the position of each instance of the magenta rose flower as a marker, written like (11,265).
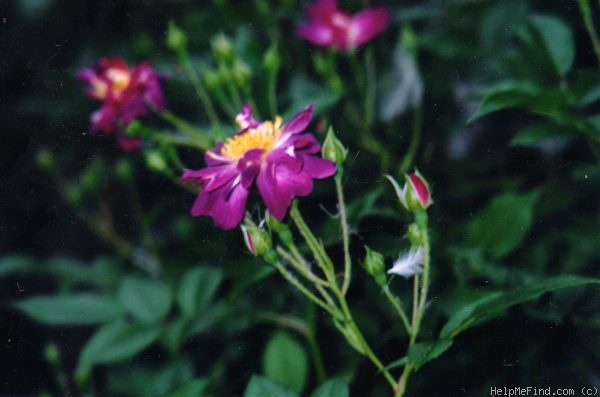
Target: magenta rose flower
(329,26)
(126,94)
(279,159)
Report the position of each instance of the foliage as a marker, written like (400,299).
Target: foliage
(108,282)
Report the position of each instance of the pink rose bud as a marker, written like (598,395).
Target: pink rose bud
(415,196)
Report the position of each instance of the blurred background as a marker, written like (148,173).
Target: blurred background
(80,218)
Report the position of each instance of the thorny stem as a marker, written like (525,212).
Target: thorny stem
(345,232)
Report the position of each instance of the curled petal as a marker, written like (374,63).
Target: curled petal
(299,121)
(318,168)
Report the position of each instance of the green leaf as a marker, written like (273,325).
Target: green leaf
(285,361)
(15,264)
(558,41)
(146,300)
(335,387)
(197,289)
(73,309)
(421,353)
(495,304)
(263,387)
(504,96)
(193,388)
(115,342)
(302,88)
(501,226)
(538,133)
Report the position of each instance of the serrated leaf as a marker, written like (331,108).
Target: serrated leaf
(263,387)
(116,342)
(421,353)
(558,41)
(73,309)
(146,300)
(496,303)
(197,288)
(285,361)
(501,226)
(335,387)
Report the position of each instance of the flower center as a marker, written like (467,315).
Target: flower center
(263,137)
(119,78)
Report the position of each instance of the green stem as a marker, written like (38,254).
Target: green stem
(313,343)
(367,351)
(315,246)
(201,91)
(586,13)
(301,267)
(290,277)
(419,297)
(345,231)
(397,303)
(415,139)
(370,87)
(198,136)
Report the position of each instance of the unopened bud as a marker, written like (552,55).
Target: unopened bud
(155,161)
(414,234)
(415,196)
(134,129)
(176,39)
(333,149)
(222,48)
(374,265)
(123,170)
(272,60)
(241,73)
(258,240)
(212,78)
(93,176)
(52,354)
(45,160)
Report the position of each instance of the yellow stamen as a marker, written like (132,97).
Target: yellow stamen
(262,137)
(120,79)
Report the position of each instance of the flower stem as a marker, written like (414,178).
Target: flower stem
(419,297)
(345,231)
(415,139)
(201,91)
(315,246)
(370,86)
(313,343)
(198,136)
(272,259)
(397,303)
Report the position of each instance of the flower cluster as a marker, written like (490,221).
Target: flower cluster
(329,26)
(275,157)
(125,93)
